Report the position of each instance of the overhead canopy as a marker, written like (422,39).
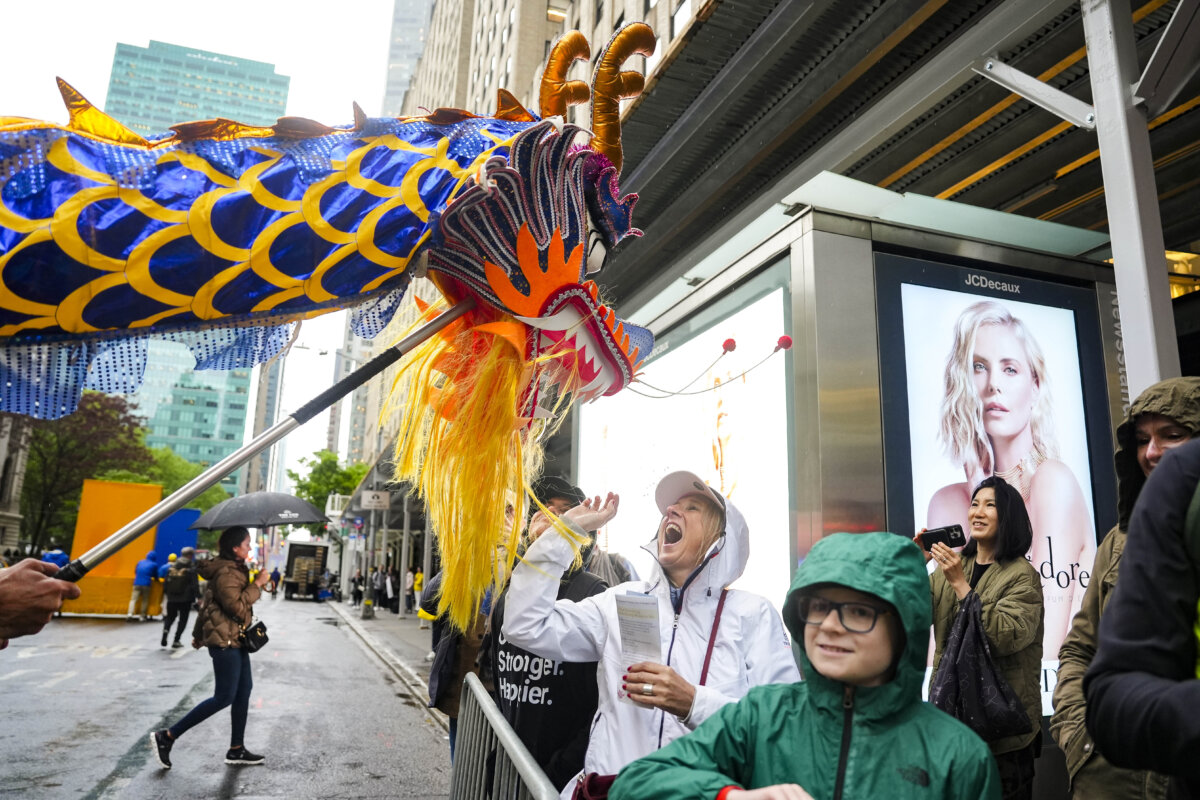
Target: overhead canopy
(758,97)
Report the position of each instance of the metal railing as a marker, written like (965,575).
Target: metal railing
(489,759)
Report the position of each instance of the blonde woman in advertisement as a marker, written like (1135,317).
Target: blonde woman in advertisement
(997,419)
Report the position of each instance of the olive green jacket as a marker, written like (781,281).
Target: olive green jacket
(1013,614)
(1179,399)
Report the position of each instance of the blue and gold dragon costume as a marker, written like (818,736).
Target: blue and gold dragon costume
(223,236)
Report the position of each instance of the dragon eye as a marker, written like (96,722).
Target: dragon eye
(597,251)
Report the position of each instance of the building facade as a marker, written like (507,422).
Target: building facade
(200,416)
(410,29)
(151,88)
(509,41)
(15,431)
(263,469)
(360,440)
(440,79)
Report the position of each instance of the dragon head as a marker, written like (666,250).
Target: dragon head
(521,241)
(535,223)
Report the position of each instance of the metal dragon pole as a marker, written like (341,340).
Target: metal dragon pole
(89,560)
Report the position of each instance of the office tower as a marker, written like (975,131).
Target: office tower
(410,26)
(152,88)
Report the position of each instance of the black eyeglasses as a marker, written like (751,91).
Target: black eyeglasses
(855,617)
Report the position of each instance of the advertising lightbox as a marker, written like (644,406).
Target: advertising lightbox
(984,373)
(734,436)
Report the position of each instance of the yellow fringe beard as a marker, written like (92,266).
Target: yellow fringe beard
(467,451)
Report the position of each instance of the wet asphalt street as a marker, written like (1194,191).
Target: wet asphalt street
(80,699)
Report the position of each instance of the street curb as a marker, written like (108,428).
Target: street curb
(406,674)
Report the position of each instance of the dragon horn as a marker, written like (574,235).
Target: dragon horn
(557,92)
(610,86)
(87,119)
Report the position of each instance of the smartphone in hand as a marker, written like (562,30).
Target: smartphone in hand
(951,535)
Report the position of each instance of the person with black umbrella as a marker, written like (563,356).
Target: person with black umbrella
(228,608)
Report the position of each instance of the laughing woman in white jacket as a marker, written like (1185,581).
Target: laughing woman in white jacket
(701,547)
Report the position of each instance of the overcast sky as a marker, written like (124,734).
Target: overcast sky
(334,54)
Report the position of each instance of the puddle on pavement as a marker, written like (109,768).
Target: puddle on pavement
(334,621)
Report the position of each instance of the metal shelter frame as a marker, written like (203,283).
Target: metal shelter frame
(1122,101)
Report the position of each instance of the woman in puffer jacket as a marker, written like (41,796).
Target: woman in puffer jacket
(229,598)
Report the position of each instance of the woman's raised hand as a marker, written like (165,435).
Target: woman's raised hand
(538,524)
(780,791)
(261,578)
(593,514)
(668,690)
(950,563)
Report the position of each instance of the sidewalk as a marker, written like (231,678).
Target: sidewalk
(399,643)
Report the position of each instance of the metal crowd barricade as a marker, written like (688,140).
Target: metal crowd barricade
(490,761)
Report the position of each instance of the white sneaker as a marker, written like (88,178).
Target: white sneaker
(429,656)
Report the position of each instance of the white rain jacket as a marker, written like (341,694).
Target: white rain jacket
(751,647)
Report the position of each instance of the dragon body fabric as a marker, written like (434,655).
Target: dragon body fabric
(223,236)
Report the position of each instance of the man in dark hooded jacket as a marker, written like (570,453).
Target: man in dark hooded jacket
(550,704)
(1143,695)
(1164,416)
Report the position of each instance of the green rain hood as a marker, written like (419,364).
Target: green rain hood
(1177,398)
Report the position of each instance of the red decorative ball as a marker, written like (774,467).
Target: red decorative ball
(785,343)
(730,345)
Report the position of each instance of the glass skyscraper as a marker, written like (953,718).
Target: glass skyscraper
(410,27)
(201,416)
(152,88)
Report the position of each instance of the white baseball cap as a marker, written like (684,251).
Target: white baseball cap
(678,484)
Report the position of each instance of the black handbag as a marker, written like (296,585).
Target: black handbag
(969,687)
(253,636)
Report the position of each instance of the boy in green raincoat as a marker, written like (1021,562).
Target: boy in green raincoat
(856,726)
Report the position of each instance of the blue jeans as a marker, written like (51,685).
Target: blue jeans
(232,668)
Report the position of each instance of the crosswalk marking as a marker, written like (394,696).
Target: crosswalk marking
(61,676)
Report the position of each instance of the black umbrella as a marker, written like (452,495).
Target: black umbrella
(259,510)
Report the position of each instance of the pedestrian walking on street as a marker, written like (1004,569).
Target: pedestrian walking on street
(228,608)
(410,581)
(377,583)
(356,588)
(181,587)
(143,578)
(275,578)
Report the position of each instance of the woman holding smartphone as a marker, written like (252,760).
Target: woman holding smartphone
(993,566)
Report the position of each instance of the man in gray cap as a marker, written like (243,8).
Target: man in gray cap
(181,587)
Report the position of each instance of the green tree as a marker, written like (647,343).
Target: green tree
(172,472)
(102,435)
(325,476)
